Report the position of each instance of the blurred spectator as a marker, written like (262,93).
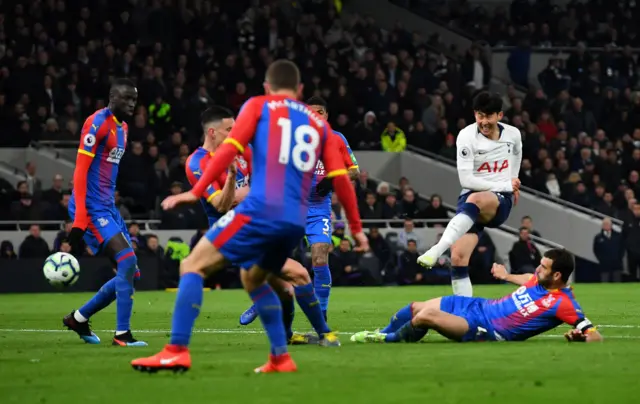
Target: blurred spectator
(393,139)
(7,251)
(631,237)
(391,209)
(53,195)
(435,211)
(409,271)
(409,233)
(34,185)
(379,246)
(608,249)
(34,246)
(370,209)
(527,223)
(409,204)
(524,256)
(344,267)
(62,235)
(338,235)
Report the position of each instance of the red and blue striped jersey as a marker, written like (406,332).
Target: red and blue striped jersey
(319,205)
(532,310)
(103,143)
(288,140)
(195,166)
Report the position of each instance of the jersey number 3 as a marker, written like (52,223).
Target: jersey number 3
(306,139)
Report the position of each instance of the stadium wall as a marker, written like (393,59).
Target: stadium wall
(562,225)
(25,275)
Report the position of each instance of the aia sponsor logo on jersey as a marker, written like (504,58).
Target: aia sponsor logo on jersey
(319,168)
(524,303)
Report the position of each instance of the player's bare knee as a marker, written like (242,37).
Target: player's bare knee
(485,201)
(459,257)
(426,317)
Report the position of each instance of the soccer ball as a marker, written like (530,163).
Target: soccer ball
(61,269)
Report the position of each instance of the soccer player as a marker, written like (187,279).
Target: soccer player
(97,220)
(222,194)
(542,302)
(260,233)
(489,156)
(318,232)
(218,200)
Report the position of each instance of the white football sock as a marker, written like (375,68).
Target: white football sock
(79,317)
(121,332)
(462,287)
(457,227)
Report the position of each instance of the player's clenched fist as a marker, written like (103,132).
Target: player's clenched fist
(499,272)
(362,242)
(575,335)
(515,183)
(172,201)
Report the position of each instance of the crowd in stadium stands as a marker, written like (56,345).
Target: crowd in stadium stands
(385,90)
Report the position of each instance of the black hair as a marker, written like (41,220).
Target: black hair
(213,114)
(319,101)
(526,217)
(412,241)
(563,262)
(122,83)
(487,103)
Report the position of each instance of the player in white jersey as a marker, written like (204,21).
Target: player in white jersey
(489,156)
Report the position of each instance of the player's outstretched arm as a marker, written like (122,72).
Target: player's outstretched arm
(583,330)
(500,272)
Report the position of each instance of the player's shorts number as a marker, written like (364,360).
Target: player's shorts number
(325,228)
(306,140)
(225,220)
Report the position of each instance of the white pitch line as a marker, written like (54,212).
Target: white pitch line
(239,331)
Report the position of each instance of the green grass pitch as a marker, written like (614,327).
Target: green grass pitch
(41,363)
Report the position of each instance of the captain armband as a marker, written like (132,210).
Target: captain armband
(585,326)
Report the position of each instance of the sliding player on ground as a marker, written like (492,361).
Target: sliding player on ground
(218,199)
(489,154)
(318,231)
(541,303)
(260,233)
(97,220)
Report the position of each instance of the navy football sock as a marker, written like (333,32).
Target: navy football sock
(407,333)
(308,302)
(105,296)
(288,312)
(399,319)
(126,267)
(187,308)
(270,311)
(322,285)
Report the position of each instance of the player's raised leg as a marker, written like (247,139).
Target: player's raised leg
(479,207)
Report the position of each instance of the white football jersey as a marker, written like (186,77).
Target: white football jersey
(485,164)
